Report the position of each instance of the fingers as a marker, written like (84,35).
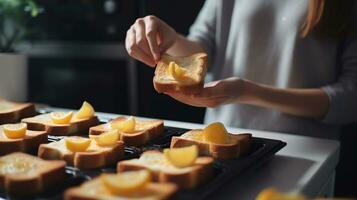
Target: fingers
(166,41)
(143,38)
(133,49)
(185,99)
(211,95)
(140,36)
(197,101)
(164,45)
(165,36)
(151,35)
(210,90)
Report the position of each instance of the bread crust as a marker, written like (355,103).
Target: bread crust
(22,110)
(132,139)
(46,175)
(174,87)
(163,190)
(74,128)
(84,160)
(217,151)
(164,87)
(29,143)
(200,172)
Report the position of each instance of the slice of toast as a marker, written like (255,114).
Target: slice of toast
(23,174)
(75,127)
(94,157)
(95,189)
(28,143)
(196,66)
(238,144)
(12,112)
(145,130)
(163,171)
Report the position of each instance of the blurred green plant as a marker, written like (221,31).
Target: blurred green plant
(14,15)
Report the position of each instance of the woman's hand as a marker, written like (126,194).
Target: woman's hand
(307,102)
(147,38)
(231,90)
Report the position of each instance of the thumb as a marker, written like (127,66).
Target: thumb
(165,42)
(164,46)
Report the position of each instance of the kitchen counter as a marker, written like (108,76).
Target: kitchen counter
(306,165)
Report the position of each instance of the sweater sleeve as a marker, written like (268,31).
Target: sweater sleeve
(343,93)
(203,29)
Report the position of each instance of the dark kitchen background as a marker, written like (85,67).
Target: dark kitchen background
(77,53)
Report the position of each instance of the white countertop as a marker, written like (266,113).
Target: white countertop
(304,165)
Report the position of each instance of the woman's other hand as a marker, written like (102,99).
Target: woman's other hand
(307,102)
(147,38)
(231,90)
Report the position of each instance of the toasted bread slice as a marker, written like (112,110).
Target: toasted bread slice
(75,127)
(28,143)
(195,66)
(12,112)
(163,171)
(94,157)
(237,145)
(95,189)
(23,174)
(145,130)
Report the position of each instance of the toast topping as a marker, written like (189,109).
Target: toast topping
(155,160)
(177,72)
(5,106)
(215,133)
(106,139)
(198,135)
(126,182)
(11,165)
(181,157)
(61,117)
(86,111)
(126,126)
(15,131)
(194,135)
(273,194)
(77,144)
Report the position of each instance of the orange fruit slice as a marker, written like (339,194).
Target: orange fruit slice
(77,144)
(181,157)
(61,117)
(268,194)
(125,126)
(126,182)
(215,133)
(273,194)
(176,71)
(106,139)
(15,131)
(86,111)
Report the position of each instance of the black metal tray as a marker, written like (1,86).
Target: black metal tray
(262,149)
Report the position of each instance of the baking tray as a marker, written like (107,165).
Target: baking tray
(262,149)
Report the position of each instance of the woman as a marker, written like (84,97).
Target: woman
(287,66)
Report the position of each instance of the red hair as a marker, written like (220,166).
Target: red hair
(314,14)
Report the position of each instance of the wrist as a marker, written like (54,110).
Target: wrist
(250,92)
